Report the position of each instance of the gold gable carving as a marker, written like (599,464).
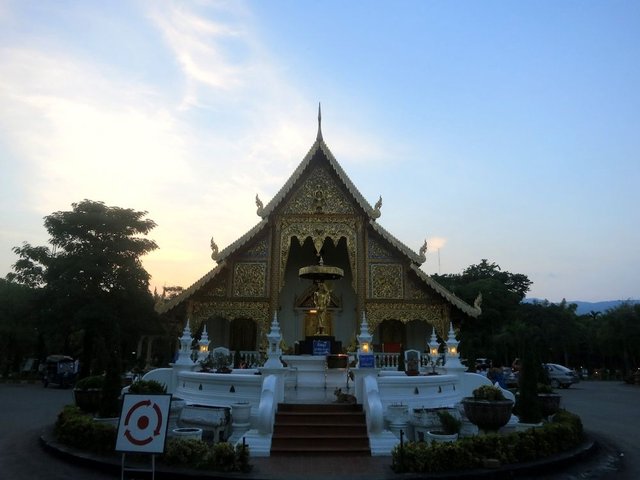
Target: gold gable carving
(414,290)
(303,228)
(436,315)
(386,280)
(377,250)
(319,193)
(249,279)
(259,250)
(218,288)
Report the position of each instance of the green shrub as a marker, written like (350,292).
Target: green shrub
(563,433)
(77,429)
(449,424)
(87,383)
(222,456)
(192,453)
(562,416)
(488,392)
(147,387)
(544,388)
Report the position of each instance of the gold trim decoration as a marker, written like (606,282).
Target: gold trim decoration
(436,315)
(249,279)
(256,311)
(377,250)
(415,290)
(218,288)
(259,250)
(386,280)
(303,228)
(319,193)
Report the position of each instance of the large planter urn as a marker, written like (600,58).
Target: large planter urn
(549,403)
(240,416)
(88,400)
(488,415)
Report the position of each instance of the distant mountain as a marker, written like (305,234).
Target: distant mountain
(586,307)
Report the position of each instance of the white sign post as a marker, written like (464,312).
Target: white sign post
(143,426)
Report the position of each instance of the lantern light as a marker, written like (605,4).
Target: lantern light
(434,346)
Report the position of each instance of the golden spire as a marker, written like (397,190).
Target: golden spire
(319,136)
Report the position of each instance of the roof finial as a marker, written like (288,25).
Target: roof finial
(319,136)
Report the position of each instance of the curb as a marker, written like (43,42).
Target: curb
(596,457)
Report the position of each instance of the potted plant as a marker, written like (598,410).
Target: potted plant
(206,365)
(147,387)
(548,399)
(448,429)
(87,393)
(221,362)
(488,408)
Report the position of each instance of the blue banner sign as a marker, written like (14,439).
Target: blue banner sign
(366,361)
(322,347)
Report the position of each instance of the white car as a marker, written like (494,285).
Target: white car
(560,376)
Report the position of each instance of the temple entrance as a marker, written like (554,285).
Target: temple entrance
(242,335)
(392,336)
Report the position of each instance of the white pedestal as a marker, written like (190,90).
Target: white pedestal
(311,370)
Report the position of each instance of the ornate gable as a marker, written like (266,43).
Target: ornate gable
(319,193)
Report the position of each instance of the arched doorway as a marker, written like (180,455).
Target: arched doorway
(392,336)
(242,335)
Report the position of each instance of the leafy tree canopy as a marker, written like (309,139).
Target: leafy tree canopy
(501,292)
(95,290)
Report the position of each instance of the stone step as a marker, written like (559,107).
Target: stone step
(320,429)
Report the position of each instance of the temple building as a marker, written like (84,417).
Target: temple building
(319,258)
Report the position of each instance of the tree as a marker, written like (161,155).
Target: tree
(18,325)
(95,291)
(619,335)
(501,292)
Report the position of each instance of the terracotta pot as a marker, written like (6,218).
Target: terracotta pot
(488,415)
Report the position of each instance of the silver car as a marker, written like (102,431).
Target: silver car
(560,376)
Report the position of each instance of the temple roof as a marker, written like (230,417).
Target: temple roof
(446,294)
(373,214)
(318,145)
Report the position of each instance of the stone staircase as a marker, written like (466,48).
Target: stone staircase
(320,429)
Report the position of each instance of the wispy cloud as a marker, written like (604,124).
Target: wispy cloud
(194,159)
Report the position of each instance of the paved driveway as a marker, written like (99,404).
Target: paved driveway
(24,411)
(610,410)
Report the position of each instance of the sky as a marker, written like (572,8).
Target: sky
(498,130)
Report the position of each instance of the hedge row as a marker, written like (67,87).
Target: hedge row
(78,430)
(563,433)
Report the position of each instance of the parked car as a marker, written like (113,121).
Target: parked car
(560,376)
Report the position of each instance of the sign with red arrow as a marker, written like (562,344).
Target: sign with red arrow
(143,423)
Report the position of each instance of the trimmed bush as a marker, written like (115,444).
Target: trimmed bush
(89,383)
(221,457)
(77,429)
(190,453)
(563,433)
(488,392)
